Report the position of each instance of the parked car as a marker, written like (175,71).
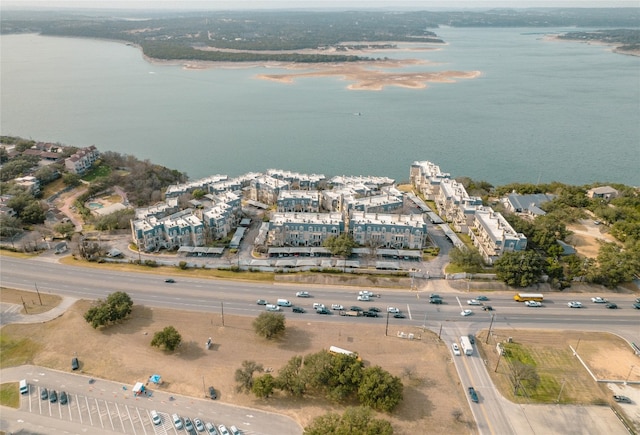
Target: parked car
(466,312)
(392,310)
(75,364)
(223,430)
(44,394)
(261,302)
(296,309)
(474,302)
(235,431)
(212,393)
(303,294)
(323,310)
(198,424)
(482,298)
(399,316)
(155,417)
(188,426)
(170,280)
(337,307)
(533,303)
(177,421)
(611,305)
(53,396)
(621,399)
(456,349)
(574,304)
(473,394)
(211,429)
(64,399)
(598,300)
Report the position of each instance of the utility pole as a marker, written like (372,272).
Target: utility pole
(489,333)
(561,388)
(37,291)
(498,363)
(204,390)
(386,331)
(24,305)
(222,311)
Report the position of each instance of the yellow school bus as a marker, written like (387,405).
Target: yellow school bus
(521,297)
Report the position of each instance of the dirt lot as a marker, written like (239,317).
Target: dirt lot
(123,353)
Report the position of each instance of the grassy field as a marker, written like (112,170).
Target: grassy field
(9,395)
(563,379)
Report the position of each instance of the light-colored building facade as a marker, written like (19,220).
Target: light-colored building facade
(265,189)
(301,201)
(297,180)
(493,235)
(80,162)
(426,177)
(303,229)
(394,231)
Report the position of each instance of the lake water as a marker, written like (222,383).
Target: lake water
(541,111)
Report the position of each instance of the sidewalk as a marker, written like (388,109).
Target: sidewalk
(10,313)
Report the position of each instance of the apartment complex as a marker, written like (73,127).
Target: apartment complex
(80,162)
(303,229)
(392,231)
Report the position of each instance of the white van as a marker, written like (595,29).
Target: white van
(283,303)
(24,387)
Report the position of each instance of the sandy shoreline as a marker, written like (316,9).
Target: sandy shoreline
(364,75)
(612,47)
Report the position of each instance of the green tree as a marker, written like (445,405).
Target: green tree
(64,228)
(290,379)
(71,180)
(115,308)
(9,226)
(341,246)
(33,213)
(244,375)
(523,375)
(263,386)
(469,259)
(353,421)
(169,337)
(379,389)
(617,265)
(519,268)
(269,325)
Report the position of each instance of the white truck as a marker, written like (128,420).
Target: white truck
(466,345)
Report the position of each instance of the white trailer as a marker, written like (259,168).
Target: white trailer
(466,345)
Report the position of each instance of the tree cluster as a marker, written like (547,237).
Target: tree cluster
(169,338)
(339,378)
(114,309)
(269,325)
(353,421)
(341,246)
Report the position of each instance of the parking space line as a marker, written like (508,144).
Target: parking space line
(120,417)
(131,420)
(106,404)
(142,422)
(99,415)
(69,406)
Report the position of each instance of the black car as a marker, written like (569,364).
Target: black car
(636,305)
(369,314)
(74,364)
(399,316)
(611,305)
(63,398)
(473,394)
(355,308)
(170,280)
(435,301)
(323,310)
(622,399)
(487,308)
(53,396)
(374,309)
(297,309)
(212,393)
(44,394)
(472,339)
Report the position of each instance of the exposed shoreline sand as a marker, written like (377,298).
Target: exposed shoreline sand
(612,47)
(364,75)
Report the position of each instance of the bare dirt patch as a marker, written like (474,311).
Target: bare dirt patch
(33,303)
(123,353)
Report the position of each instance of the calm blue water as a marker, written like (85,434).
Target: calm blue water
(542,110)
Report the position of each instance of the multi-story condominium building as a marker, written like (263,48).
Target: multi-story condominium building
(303,229)
(175,190)
(334,199)
(82,161)
(390,200)
(388,230)
(179,229)
(493,236)
(301,201)
(158,210)
(29,182)
(455,205)
(426,178)
(296,180)
(266,189)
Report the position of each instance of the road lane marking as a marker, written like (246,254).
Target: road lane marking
(409,311)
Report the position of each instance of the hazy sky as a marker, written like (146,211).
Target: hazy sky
(313,4)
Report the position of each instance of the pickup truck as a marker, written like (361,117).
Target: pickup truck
(351,313)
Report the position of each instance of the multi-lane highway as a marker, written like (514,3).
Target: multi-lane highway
(240,298)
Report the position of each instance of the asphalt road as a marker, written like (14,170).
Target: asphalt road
(240,298)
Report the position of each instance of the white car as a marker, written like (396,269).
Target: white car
(365,293)
(177,421)
(455,348)
(364,298)
(223,430)
(393,310)
(318,306)
(466,312)
(532,303)
(474,302)
(337,307)
(598,300)
(198,424)
(272,307)
(574,304)
(303,294)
